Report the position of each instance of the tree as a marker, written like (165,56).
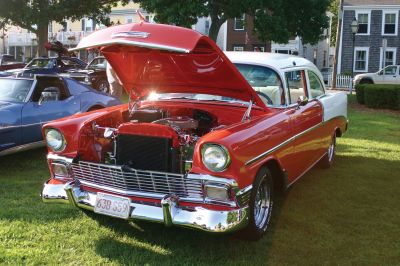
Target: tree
(275,20)
(334,9)
(35,15)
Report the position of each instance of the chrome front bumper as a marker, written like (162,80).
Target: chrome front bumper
(168,211)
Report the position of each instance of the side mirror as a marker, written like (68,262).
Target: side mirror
(301,101)
(49,94)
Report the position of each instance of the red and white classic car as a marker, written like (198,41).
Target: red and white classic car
(206,139)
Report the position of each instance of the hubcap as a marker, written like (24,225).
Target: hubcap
(103,87)
(331,149)
(262,205)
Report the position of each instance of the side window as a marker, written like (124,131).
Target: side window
(297,85)
(316,87)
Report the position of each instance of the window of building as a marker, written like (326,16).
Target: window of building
(316,87)
(296,83)
(128,19)
(363,22)
(390,57)
(258,48)
(239,22)
(87,24)
(238,48)
(389,25)
(50,27)
(361,59)
(283,51)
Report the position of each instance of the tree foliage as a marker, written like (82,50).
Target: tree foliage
(35,15)
(274,20)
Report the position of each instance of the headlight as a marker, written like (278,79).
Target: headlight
(215,157)
(87,79)
(55,140)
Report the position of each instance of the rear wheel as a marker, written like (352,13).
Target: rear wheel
(260,206)
(329,157)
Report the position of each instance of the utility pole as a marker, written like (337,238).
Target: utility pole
(338,34)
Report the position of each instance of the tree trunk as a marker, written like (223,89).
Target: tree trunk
(42,38)
(216,23)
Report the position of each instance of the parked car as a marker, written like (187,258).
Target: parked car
(387,75)
(326,74)
(93,75)
(8,62)
(27,104)
(203,143)
(47,65)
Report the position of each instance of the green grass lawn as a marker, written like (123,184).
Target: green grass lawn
(349,214)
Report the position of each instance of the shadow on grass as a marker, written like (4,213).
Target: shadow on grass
(156,244)
(332,187)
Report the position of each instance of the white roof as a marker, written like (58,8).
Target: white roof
(276,61)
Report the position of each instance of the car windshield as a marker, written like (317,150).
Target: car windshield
(265,81)
(98,63)
(14,90)
(40,63)
(191,96)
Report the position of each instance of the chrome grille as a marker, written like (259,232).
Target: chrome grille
(135,182)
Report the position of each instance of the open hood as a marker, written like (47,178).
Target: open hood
(162,58)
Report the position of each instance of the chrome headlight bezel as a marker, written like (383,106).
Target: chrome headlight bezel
(207,149)
(52,135)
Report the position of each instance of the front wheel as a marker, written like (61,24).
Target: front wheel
(260,206)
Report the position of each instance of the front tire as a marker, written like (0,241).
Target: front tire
(260,206)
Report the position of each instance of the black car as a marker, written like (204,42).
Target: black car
(47,65)
(93,75)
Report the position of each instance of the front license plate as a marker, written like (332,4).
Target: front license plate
(112,205)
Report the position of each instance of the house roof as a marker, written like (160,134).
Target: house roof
(370,2)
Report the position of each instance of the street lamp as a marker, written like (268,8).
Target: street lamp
(354,30)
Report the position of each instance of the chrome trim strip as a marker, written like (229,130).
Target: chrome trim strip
(24,147)
(134,193)
(262,155)
(55,157)
(130,34)
(135,43)
(230,182)
(244,190)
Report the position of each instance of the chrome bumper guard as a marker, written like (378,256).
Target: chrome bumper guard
(168,211)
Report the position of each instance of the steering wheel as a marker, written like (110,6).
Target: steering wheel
(269,101)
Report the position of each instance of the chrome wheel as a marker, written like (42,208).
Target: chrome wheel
(331,149)
(262,205)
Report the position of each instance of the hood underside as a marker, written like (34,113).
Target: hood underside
(167,59)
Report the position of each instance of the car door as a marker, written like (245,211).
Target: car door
(36,113)
(304,119)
